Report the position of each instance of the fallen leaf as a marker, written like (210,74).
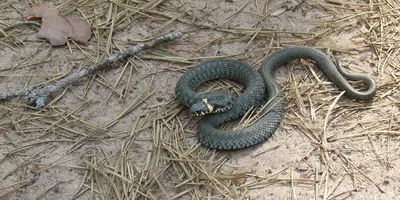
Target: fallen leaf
(55,29)
(34,169)
(38,10)
(239,181)
(81,29)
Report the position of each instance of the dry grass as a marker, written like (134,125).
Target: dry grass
(162,135)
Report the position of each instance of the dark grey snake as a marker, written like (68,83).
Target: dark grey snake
(258,86)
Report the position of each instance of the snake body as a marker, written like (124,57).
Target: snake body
(259,86)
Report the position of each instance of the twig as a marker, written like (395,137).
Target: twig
(38,96)
(362,173)
(19,185)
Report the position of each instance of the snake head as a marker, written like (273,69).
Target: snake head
(212,103)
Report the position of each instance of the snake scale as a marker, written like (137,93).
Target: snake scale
(259,87)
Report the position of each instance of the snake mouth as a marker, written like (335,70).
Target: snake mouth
(200,113)
(218,110)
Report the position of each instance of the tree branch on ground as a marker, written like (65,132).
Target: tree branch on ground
(38,96)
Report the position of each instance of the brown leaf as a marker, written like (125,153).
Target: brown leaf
(34,169)
(55,29)
(81,29)
(239,181)
(38,10)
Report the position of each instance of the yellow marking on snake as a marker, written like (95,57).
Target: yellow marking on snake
(210,107)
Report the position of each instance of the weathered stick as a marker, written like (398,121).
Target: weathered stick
(38,96)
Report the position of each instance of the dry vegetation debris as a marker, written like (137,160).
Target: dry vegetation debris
(121,135)
(58,29)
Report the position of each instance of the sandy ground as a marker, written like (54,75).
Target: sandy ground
(122,134)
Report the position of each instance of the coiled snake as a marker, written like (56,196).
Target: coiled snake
(258,87)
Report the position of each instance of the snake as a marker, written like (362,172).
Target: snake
(260,87)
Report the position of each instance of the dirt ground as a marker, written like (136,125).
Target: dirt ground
(121,134)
